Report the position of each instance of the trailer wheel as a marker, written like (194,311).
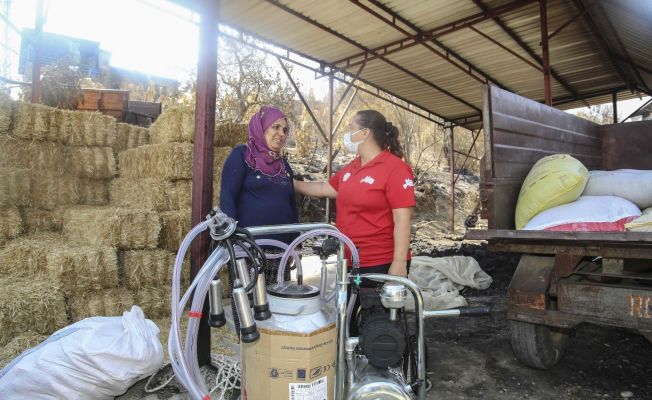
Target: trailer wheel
(537,346)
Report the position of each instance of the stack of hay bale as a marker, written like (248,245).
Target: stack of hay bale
(91,213)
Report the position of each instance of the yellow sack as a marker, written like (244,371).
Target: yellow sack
(552,181)
(642,223)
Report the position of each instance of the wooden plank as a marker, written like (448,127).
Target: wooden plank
(597,237)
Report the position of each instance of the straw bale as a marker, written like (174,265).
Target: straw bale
(37,221)
(7,111)
(27,256)
(30,304)
(46,156)
(231,134)
(120,227)
(175,124)
(32,122)
(174,227)
(164,161)
(50,191)
(155,301)
(19,344)
(101,303)
(129,136)
(15,187)
(11,224)
(82,268)
(93,162)
(151,194)
(94,192)
(147,268)
(90,129)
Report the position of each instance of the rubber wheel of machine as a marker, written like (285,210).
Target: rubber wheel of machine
(537,346)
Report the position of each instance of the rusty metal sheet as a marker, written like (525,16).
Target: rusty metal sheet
(530,282)
(624,306)
(627,145)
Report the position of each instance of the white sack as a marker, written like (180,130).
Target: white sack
(441,279)
(586,210)
(632,184)
(96,358)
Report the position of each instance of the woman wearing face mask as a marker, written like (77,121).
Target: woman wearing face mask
(257,180)
(374,195)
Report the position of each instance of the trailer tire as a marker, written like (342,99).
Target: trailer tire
(537,346)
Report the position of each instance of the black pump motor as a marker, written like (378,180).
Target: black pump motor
(382,340)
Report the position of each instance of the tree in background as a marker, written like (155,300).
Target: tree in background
(601,114)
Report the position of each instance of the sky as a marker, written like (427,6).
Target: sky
(155,37)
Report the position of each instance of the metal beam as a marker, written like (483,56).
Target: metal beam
(36,60)
(614,102)
(467,67)
(202,165)
(346,108)
(452,168)
(352,42)
(570,21)
(595,32)
(468,155)
(510,51)
(623,47)
(349,86)
(329,164)
(543,18)
(403,44)
(526,48)
(322,62)
(303,100)
(637,110)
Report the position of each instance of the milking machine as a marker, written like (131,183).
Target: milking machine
(385,361)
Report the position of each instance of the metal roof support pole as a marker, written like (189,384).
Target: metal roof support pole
(202,166)
(303,100)
(637,110)
(348,87)
(329,165)
(614,101)
(36,60)
(451,153)
(468,154)
(346,108)
(547,88)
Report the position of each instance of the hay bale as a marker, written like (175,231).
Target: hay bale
(37,221)
(155,301)
(120,227)
(90,129)
(44,156)
(175,124)
(15,187)
(174,227)
(30,305)
(147,268)
(231,134)
(151,194)
(50,191)
(101,303)
(32,122)
(130,136)
(19,344)
(11,224)
(82,268)
(7,111)
(94,192)
(163,161)
(27,256)
(93,162)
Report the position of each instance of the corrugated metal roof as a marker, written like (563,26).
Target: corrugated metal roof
(602,51)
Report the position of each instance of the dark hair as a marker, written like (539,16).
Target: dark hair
(385,134)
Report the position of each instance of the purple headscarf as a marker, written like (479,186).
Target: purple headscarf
(258,155)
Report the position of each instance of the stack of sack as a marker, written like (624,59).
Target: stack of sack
(560,194)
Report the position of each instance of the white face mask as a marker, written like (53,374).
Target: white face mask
(352,147)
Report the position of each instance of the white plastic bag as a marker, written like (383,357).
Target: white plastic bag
(587,214)
(632,184)
(96,358)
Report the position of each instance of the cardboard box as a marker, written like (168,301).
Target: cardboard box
(287,365)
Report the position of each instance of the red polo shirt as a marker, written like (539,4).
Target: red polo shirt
(366,196)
